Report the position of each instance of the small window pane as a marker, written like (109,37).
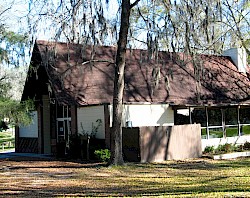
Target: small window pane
(214,117)
(231,116)
(216,132)
(232,131)
(203,133)
(60,111)
(182,117)
(245,130)
(199,117)
(245,115)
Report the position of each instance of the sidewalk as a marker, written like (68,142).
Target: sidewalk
(11,154)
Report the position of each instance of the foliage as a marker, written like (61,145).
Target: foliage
(83,145)
(16,112)
(13,46)
(209,149)
(103,154)
(94,129)
(227,148)
(246,146)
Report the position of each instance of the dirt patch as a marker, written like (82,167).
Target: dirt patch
(36,177)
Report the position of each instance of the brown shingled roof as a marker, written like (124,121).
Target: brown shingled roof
(80,74)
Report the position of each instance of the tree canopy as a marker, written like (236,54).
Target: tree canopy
(11,60)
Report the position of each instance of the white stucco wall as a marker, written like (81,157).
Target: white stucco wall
(87,116)
(147,115)
(30,131)
(220,141)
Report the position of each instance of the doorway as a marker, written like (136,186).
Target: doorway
(63,123)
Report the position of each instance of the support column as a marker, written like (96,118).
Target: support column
(73,119)
(107,125)
(238,120)
(207,129)
(46,125)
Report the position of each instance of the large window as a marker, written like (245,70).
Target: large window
(215,126)
(217,122)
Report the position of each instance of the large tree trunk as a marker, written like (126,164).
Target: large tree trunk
(116,136)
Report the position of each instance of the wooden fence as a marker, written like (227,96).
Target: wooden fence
(156,144)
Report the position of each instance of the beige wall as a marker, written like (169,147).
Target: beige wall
(147,115)
(86,116)
(170,143)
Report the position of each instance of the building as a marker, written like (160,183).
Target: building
(72,86)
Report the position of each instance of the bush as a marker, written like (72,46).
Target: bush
(246,146)
(226,148)
(209,149)
(103,154)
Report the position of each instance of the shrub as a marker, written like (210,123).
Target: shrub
(240,148)
(209,149)
(226,148)
(246,146)
(103,154)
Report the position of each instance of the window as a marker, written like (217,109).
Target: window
(245,120)
(231,121)
(182,116)
(245,115)
(215,123)
(214,117)
(199,116)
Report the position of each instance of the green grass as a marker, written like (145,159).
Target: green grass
(187,178)
(201,178)
(6,137)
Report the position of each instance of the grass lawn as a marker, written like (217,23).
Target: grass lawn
(7,139)
(190,178)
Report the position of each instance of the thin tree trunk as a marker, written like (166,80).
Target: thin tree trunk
(116,148)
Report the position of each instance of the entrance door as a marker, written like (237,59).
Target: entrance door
(63,133)
(63,128)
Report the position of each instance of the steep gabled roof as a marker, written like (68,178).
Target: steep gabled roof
(84,75)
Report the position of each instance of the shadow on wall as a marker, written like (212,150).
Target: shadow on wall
(170,143)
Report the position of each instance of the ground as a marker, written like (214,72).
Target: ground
(38,177)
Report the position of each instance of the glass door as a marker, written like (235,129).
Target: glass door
(63,127)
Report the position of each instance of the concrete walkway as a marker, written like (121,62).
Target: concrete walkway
(12,154)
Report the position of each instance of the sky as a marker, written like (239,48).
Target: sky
(20,9)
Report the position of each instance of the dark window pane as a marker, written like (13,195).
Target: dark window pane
(199,117)
(214,117)
(244,115)
(182,117)
(60,111)
(231,116)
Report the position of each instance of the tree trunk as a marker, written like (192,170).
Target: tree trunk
(116,137)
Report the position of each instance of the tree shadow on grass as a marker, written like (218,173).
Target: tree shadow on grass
(133,180)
